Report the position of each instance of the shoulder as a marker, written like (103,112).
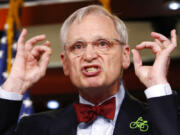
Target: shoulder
(41,122)
(49,115)
(134,103)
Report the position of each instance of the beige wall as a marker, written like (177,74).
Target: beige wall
(138,32)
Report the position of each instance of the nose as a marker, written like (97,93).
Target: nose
(90,53)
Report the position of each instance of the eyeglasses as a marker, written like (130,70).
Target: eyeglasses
(99,45)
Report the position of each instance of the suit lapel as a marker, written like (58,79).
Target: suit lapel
(65,123)
(130,111)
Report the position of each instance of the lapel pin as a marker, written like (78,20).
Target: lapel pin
(141,124)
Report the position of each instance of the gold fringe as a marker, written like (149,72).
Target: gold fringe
(106,4)
(13,18)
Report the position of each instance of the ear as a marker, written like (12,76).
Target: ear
(126,56)
(64,64)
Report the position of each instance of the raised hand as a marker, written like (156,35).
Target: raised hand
(162,47)
(30,63)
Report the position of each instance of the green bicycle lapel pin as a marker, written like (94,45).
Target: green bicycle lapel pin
(141,124)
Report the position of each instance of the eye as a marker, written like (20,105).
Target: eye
(103,43)
(76,46)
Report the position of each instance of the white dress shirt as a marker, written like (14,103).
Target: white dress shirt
(102,126)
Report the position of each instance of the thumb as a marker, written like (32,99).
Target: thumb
(136,59)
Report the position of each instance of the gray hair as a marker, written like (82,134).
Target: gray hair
(93,9)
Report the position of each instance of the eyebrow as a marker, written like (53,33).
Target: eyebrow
(120,42)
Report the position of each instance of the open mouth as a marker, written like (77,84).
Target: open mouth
(91,70)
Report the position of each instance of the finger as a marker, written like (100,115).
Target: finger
(162,45)
(173,43)
(39,50)
(173,38)
(136,60)
(33,41)
(149,45)
(20,43)
(47,43)
(44,62)
(164,41)
(159,36)
(158,42)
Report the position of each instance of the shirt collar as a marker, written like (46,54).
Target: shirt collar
(119,96)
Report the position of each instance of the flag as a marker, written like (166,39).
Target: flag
(3,56)
(26,108)
(4,53)
(8,45)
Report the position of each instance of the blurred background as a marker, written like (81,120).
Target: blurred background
(141,18)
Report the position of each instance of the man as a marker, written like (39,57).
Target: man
(95,53)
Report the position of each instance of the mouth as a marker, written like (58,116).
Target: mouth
(91,70)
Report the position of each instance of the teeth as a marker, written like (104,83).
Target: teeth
(91,69)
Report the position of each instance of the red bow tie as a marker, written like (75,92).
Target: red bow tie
(88,113)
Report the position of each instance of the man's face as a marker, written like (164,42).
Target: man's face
(92,68)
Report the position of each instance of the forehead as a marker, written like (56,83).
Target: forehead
(92,26)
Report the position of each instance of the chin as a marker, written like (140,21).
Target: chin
(92,82)
(92,85)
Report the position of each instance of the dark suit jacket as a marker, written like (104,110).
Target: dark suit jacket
(161,114)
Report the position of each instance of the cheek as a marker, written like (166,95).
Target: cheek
(114,65)
(74,68)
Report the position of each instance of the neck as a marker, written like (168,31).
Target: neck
(96,95)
